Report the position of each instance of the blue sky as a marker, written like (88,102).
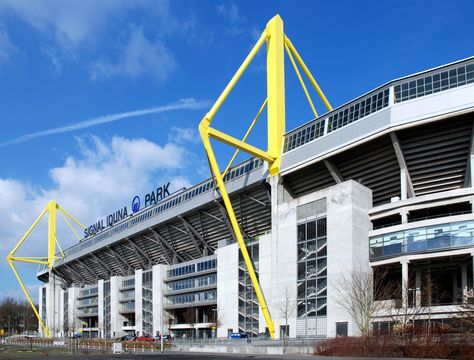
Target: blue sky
(100,100)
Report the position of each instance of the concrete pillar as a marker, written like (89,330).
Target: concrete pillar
(61,313)
(138,301)
(403,184)
(418,287)
(100,308)
(116,319)
(159,273)
(405,294)
(40,310)
(53,288)
(464,281)
(227,288)
(74,324)
(455,287)
(471,168)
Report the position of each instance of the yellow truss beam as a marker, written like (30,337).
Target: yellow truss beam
(276,42)
(50,210)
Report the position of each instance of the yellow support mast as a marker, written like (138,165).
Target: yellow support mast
(51,210)
(277,43)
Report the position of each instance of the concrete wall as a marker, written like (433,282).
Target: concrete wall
(53,288)
(159,273)
(227,288)
(138,302)
(116,319)
(348,226)
(348,248)
(100,308)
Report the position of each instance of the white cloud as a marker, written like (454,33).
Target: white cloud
(102,178)
(139,56)
(6,46)
(229,10)
(71,22)
(183,135)
(237,24)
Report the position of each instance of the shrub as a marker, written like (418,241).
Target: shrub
(403,346)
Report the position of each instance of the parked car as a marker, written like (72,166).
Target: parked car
(126,338)
(239,335)
(166,337)
(145,338)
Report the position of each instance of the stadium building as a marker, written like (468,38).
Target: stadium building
(383,182)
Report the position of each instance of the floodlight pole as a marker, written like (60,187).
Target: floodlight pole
(277,42)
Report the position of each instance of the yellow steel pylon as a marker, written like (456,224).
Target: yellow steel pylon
(277,42)
(51,210)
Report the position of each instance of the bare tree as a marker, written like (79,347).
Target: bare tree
(465,316)
(358,292)
(169,320)
(287,308)
(190,317)
(217,320)
(406,309)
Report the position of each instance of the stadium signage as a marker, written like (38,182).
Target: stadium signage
(151,198)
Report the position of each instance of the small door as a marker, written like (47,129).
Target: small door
(341,328)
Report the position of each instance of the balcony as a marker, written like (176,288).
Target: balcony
(127,308)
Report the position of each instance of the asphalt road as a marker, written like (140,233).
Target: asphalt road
(166,355)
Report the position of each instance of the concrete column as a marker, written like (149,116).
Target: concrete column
(471,168)
(455,286)
(403,184)
(138,301)
(74,324)
(228,288)
(404,263)
(159,273)
(418,288)
(61,313)
(116,319)
(464,281)
(100,308)
(53,288)
(40,310)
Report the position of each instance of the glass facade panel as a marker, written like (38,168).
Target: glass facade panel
(312,263)
(248,302)
(147,302)
(437,237)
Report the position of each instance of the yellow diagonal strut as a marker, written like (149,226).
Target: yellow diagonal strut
(276,42)
(48,260)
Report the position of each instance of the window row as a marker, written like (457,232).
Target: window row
(359,110)
(193,282)
(128,282)
(304,135)
(431,84)
(207,265)
(209,295)
(89,291)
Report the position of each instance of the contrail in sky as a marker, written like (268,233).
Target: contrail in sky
(183,104)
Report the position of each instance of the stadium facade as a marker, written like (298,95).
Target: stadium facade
(383,182)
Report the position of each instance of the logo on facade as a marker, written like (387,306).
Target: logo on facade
(135,204)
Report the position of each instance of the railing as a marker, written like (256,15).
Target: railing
(428,82)
(170,202)
(88,292)
(422,239)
